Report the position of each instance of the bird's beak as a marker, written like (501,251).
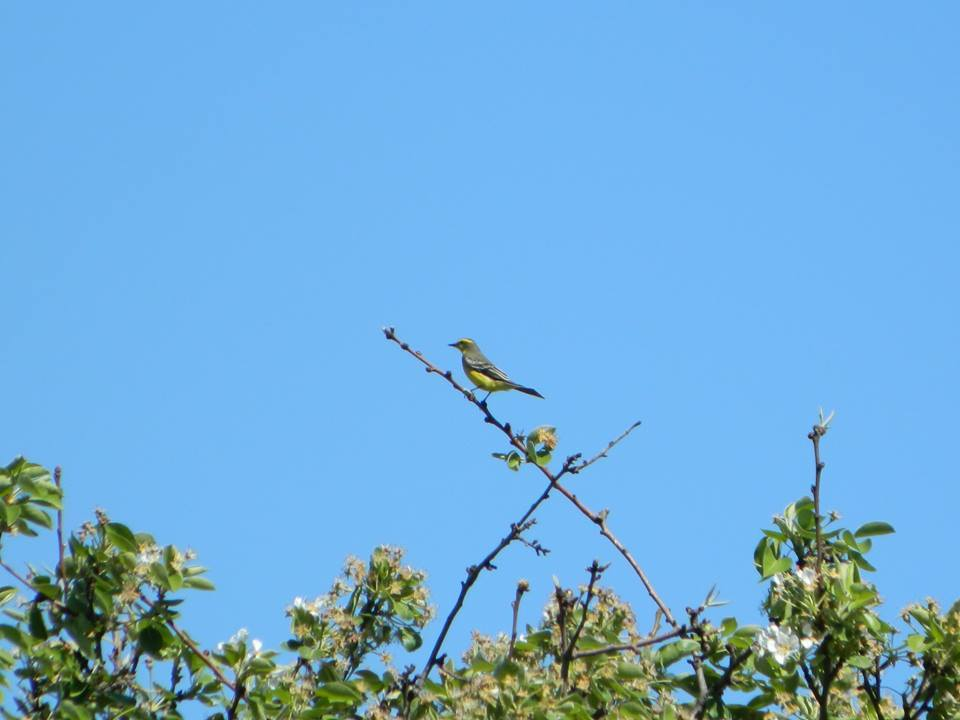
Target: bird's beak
(453,344)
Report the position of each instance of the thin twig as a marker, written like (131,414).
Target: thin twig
(703,692)
(818,432)
(828,679)
(28,584)
(522,587)
(534,545)
(696,661)
(603,453)
(473,572)
(810,680)
(598,519)
(563,602)
(873,695)
(606,650)
(595,570)
(61,570)
(202,656)
(237,697)
(716,692)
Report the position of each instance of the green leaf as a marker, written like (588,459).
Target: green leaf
(536,640)
(508,668)
(668,654)
(773,565)
(9,514)
(410,639)
(479,666)
(46,588)
(860,661)
(630,671)
(917,643)
(198,583)
(743,636)
(35,622)
(151,640)
(261,665)
(159,576)
(7,593)
(339,692)
(71,711)
(121,537)
(15,636)
(370,681)
(862,596)
(79,629)
(543,457)
(633,709)
(31,513)
(668,713)
(861,562)
(874,528)
(805,518)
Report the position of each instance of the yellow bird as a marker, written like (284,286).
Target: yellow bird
(483,373)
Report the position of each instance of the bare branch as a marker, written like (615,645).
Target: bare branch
(873,694)
(599,519)
(716,692)
(522,587)
(603,453)
(61,570)
(473,572)
(534,545)
(814,436)
(810,681)
(595,570)
(676,632)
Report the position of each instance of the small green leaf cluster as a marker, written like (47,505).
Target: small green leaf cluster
(27,494)
(538,448)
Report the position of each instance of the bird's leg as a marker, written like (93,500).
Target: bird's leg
(484,401)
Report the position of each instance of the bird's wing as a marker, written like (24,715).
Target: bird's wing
(488,368)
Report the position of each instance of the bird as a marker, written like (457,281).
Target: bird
(483,373)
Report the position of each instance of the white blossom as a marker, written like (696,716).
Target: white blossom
(780,643)
(808,576)
(809,639)
(149,554)
(314,608)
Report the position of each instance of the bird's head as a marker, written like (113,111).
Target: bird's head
(464,344)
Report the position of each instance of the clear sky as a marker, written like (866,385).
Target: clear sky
(711,217)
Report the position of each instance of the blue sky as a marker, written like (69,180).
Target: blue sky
(713,218)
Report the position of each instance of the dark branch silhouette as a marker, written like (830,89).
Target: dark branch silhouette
(570,466)
(597,518)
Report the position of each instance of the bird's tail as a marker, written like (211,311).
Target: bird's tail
(528,391)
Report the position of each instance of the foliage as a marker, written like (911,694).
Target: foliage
(98,637)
